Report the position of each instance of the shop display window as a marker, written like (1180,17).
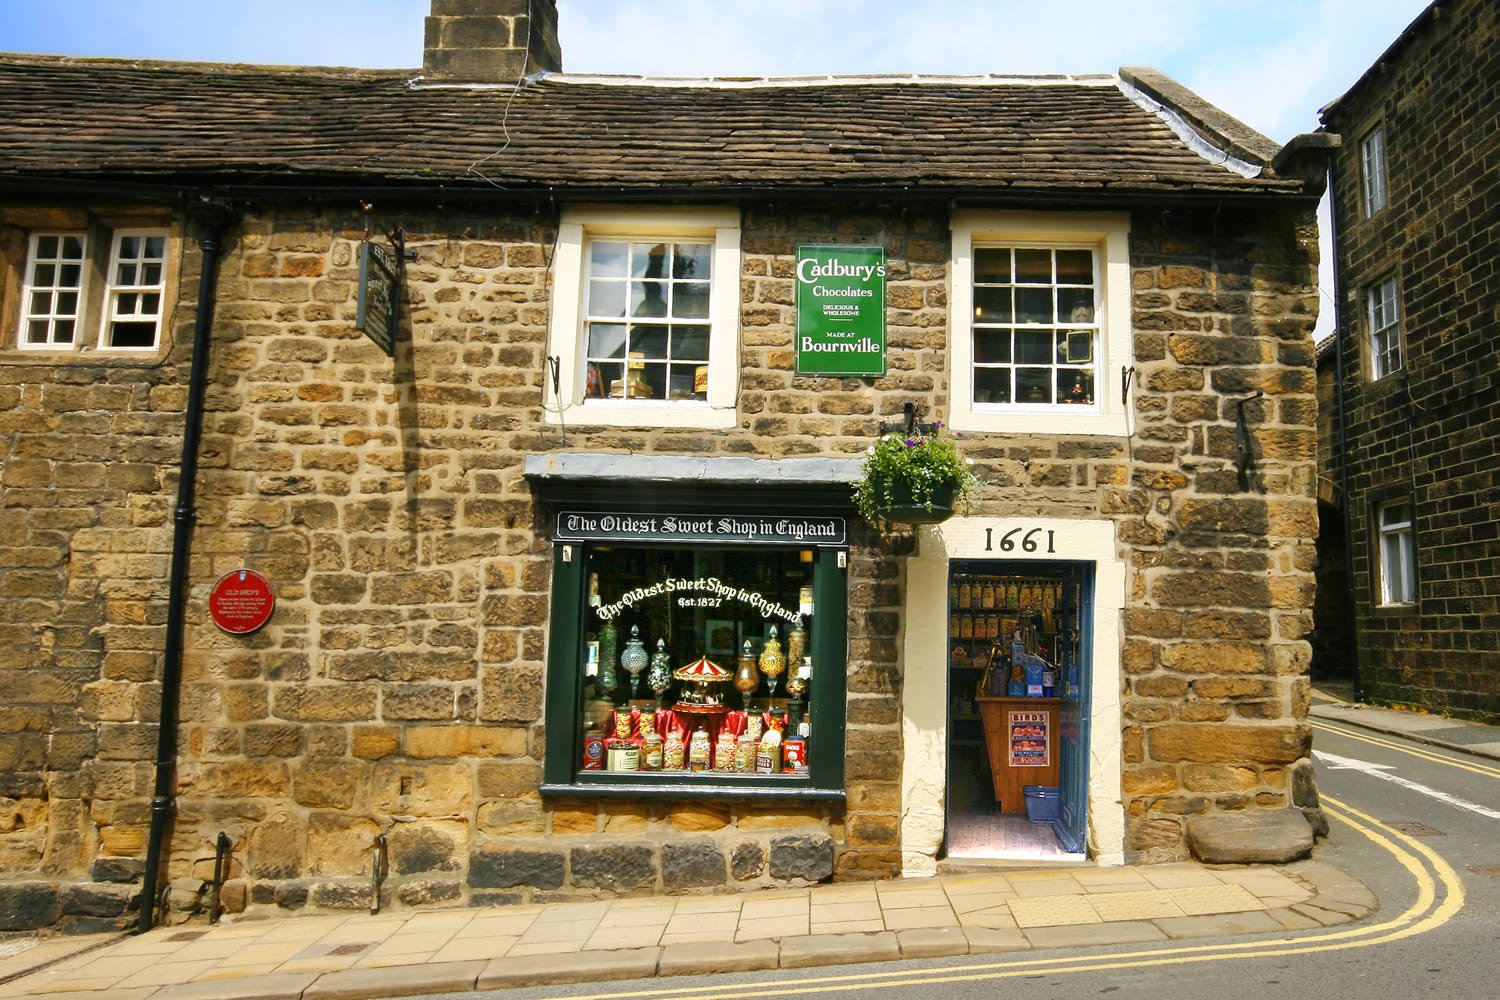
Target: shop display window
(698,667)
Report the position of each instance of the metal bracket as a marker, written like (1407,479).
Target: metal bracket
(909,424)
(1243,459)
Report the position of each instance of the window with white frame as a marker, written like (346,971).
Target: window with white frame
(1372,170)
(74,297)
(1397,560)
(651,335)
(52,296)
(1040,320)
(133,297)
(1384,324)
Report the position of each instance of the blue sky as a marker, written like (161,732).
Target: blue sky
(1271,63)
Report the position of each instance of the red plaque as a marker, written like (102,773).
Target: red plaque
(241,602)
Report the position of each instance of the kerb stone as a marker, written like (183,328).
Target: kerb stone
(839,949)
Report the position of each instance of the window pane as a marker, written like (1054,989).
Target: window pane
(1034,305)
(992,346)
(132,334)
(992,264)
(1075,305)
(606,298)
(607,260)
(1033,267)
(649,260)
(606,340)
(155,248)
(992,385)
(693,260)
(648,342)
(151,304)
(1075,267)
(654,375)
(992,305)
(46,246)
(690,343)
(151,274)
(44,274)
(130,247)
(1033,385)
(69,276)
(126,304)
(632,698)
(67,303)
(682,379)
(690,299)
(1034,347)
(62,331)
(1075,386)
(72,248)
(125,274)
(41,304)
(36,331)
(647,298)
(610,375)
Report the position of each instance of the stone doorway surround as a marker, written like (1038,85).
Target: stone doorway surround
(925,689)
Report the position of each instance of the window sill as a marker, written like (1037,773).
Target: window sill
(111,357)
(627,413)
(713,788)
(1047,421)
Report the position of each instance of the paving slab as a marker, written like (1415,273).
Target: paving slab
(536,970)
(839,949)
(712,958)
(1254,922)
(411,980)
(984,940)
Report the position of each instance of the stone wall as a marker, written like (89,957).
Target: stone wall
(1429,432)
(398,690)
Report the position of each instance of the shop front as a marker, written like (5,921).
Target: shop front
(698,641)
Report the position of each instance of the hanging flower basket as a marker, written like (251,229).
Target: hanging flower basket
(913,478)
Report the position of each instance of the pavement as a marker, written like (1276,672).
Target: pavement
(412,953)
(1336,704)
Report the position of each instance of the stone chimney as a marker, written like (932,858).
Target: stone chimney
(490,41)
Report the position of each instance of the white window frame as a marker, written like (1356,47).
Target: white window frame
(1383,321)
(1396,553)
(113,290)
(1372,171)
(52,316)
(1108,235)
(719,227)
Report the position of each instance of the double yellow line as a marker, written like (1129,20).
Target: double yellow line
(1415,751)
(1440,896)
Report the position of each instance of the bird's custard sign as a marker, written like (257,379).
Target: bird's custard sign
(840,310)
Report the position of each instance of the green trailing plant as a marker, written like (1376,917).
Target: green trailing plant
(914,471)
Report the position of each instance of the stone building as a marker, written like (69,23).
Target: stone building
(1414,206)
(602,418)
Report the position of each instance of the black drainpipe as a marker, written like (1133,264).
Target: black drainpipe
(211,221)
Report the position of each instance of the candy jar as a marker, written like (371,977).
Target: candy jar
(609,641)
(635,658)
(772,660)
(746,677)
(659,677)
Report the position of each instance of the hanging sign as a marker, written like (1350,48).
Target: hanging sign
(377,312)
(1028,740)
(241,602)
(840,310)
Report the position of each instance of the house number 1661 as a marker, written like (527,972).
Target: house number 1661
(1028,542)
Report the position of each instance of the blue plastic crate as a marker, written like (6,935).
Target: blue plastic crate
(1043,803)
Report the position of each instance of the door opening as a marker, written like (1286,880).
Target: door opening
(1019,659)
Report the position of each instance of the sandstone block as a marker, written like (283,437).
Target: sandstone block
(693,863)
(1219,744)
(1253,836)
(404,789)
(494,867)
(431,742)
(428,891)
(807,857)
(699,817)
(276,848)
(425,847)
(339,844)
(325,702)
(614,867)
(327,784)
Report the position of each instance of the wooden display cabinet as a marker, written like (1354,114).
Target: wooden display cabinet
(1017,731)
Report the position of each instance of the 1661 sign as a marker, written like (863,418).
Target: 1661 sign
(840,310)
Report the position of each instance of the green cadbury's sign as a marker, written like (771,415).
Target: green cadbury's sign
(840,310)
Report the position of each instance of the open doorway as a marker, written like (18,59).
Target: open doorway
(1019,663)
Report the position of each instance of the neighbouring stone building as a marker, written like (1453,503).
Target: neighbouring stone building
(1415,195)
(600,421)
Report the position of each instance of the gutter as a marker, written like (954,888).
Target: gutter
(212,220)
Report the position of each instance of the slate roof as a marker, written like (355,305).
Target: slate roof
(206,123)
